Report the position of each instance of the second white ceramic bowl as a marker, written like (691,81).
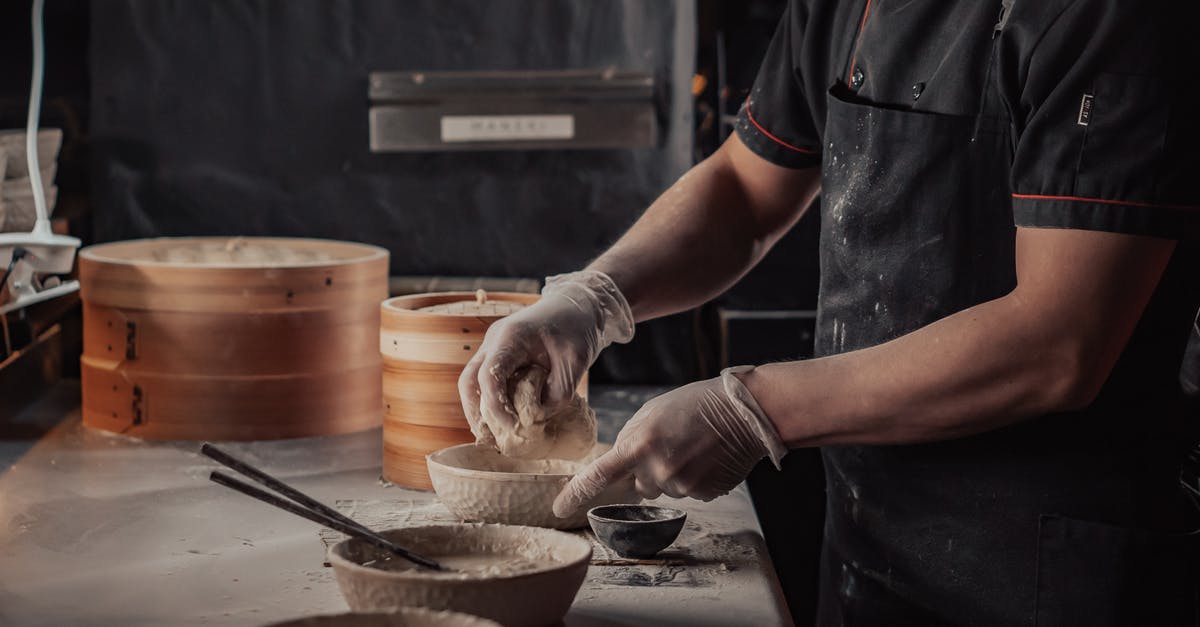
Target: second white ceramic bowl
(478,483)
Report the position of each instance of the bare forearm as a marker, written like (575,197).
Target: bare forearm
(946,380)
(705,232)
(686,248)
(1047,346)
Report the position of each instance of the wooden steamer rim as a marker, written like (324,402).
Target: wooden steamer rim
(408,334)
(134,252)
(118,273)
(404,313)
(268,338)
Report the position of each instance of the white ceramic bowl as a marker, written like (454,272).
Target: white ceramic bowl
(12,141)
(526,598)
(403,617)
(478,483)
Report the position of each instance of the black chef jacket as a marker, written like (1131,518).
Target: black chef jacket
(1100,103)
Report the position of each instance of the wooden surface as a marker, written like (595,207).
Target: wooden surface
(100,530)
(231,338)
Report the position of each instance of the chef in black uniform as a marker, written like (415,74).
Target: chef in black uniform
(1006,293)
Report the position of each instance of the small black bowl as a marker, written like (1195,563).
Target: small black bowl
(636,531)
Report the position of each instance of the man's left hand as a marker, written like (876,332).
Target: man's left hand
(700,441)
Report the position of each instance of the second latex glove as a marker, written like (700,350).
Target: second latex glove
(700,441)
(578,315)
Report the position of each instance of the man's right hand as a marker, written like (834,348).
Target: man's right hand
(578,315)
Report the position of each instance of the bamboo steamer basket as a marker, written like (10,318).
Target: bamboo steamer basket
(424,353)
(231,338)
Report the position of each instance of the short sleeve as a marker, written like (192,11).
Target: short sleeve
(1105,120)
(776,121)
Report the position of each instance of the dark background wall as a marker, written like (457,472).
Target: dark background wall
(185,117)
(250,117)
(235,117)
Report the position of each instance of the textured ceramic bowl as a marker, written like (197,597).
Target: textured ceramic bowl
(403,617)
(532,597)
(636,531)
(478,483)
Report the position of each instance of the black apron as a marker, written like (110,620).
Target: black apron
(916,224)
(1189,372)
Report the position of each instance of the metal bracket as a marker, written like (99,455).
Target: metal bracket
(27,259)
(443,111)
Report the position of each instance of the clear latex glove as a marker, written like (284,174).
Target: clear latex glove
(578,315)
(700,440)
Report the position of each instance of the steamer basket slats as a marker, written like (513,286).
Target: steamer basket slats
(231,338)
(423,355)
(234,343)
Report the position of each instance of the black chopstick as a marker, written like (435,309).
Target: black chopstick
(309,508)
(229,461)
(355,530)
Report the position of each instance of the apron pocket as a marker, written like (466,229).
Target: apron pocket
(1097,574)
(916,221)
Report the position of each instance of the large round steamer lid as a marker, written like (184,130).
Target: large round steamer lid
(231,252)
(232,274)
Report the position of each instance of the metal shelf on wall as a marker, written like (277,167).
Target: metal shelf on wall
(453,111)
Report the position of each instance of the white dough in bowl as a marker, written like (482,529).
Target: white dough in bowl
(567,431)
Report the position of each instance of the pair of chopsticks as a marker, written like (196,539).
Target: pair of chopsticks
(301,504)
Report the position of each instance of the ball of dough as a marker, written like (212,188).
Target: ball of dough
(567,431)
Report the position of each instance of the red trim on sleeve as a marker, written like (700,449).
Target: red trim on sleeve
(1103,201)
(773,138)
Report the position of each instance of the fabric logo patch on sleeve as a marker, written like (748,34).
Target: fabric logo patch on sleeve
(1085,110)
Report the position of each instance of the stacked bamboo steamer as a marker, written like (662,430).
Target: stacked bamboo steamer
(231,338)
(426,340)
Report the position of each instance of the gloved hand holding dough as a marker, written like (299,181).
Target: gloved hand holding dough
(564,431)
(578,315)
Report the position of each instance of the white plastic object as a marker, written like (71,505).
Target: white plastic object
(41,252)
